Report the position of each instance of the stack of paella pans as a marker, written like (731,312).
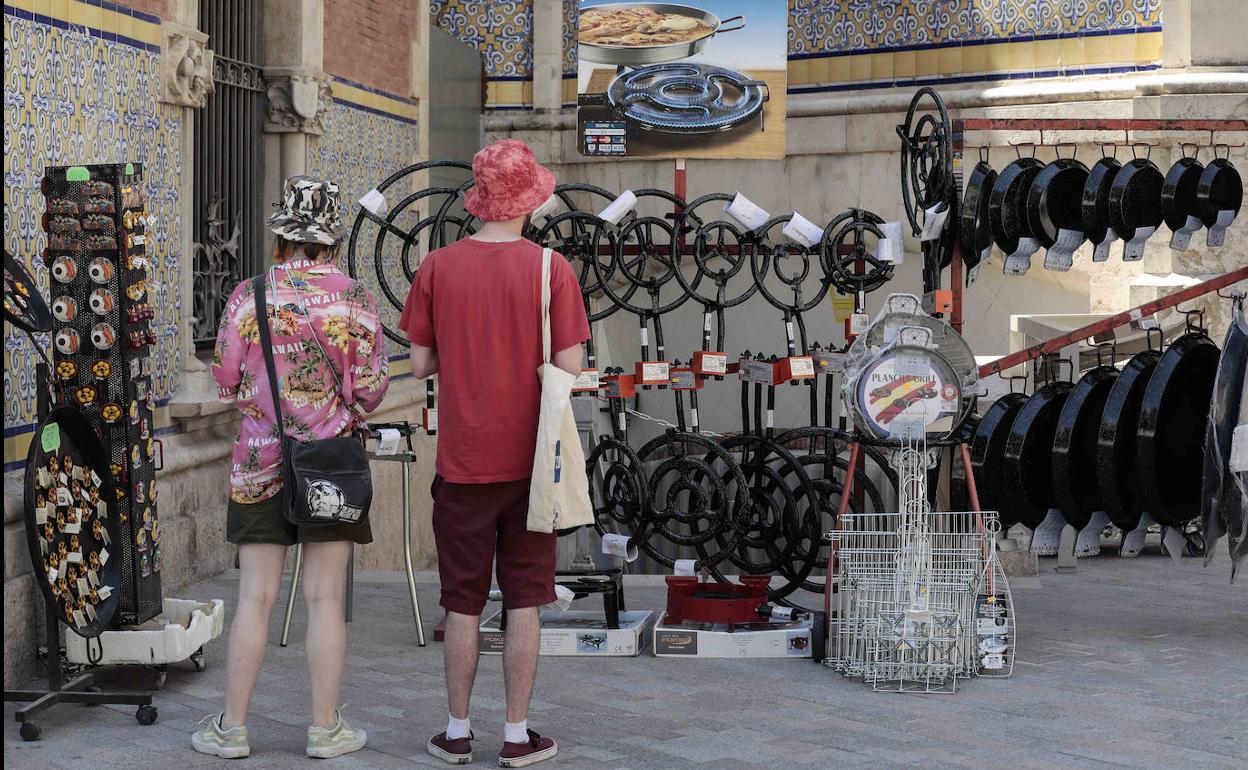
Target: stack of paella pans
(1119,445)
(1029,205)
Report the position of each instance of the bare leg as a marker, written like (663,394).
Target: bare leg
(260,578)
(520,648)
(460,653)
(324,568)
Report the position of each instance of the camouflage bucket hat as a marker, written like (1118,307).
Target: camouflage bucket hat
(309,212)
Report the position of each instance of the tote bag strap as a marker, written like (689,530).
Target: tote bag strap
(546,306)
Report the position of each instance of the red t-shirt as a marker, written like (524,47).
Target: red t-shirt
(479,304)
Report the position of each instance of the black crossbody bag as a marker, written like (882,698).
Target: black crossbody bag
(328,481)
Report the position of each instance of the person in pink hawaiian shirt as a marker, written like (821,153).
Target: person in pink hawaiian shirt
(332,367)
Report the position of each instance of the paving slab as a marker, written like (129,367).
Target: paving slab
(1135,663)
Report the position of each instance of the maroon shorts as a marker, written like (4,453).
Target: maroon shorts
(474,523)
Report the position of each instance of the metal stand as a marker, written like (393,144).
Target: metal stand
(80,689)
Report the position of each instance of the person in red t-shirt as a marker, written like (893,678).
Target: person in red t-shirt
(474,317)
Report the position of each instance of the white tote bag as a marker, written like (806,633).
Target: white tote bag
(559,490)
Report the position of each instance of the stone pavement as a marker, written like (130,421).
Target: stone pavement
(1129,663)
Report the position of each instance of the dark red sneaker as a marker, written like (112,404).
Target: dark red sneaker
(528,753)
(452,752)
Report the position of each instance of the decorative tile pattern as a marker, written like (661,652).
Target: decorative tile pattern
(359,149)
(502,32)
(842,26)
(71,97)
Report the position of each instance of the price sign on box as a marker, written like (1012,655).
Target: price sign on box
(795,368)
(652,372)
(685,379)
(710,364)
(586,382)
(763,372)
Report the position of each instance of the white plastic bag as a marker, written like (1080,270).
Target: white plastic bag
(559,489)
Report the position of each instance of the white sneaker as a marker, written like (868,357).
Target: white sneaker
(220,742)
(328,742)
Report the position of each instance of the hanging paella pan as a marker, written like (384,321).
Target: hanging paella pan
(1026,465)
(1218,197)
(1075,486)
(1178,200)
(1055,213)
(1095,206)
(1116,442)
(1007,207)
(987,449)
(1135,205)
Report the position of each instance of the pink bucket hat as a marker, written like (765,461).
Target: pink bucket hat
(508,182)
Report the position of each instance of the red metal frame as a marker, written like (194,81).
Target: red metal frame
(1113,322)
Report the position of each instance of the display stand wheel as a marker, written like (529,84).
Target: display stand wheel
(146,715)
(197,660)
(29,731)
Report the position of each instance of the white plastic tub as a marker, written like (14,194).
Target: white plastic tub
(178,633)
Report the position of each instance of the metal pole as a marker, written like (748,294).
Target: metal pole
(294,589)
(407,553)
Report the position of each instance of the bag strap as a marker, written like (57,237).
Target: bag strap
(266,345)
(546,306)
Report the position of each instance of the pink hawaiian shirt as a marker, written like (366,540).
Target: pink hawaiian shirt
(314,303)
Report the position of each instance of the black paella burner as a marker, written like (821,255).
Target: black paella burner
(686,98)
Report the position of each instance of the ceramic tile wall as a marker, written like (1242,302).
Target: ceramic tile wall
(857,44)
(82,88)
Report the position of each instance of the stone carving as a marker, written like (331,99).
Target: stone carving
(185,66)
(298,101)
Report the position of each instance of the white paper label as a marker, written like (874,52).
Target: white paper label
(991,626)
(83,588)
(95,480)
(586,380)
(891,248)
(802,366)
(1133,250)
(693,417)
(431,420)
(713,363)
(80,618)
(388,441)
(617,545)
(105,591)
(374,201)
(42,513)
(618,208)
(76,474)
(623,421)
(782,613)
(103,556)
(645,336)
(803,231)
(1180,238)
(685,567)
(706,321)
(546,209)
(788,329)
(1061,255)
(934,222)
(1020,261)
(43,478)
(93,578)
(73,528)
(655,372)
(746,212)
(830,362)
(63,497)
(757,371)
(53,573)
(771,418)
(1217,233)
(994,662)
(858,323)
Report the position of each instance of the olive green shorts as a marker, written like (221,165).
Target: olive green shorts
(263,522)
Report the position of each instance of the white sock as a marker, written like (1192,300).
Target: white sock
(517,732)
(457,728)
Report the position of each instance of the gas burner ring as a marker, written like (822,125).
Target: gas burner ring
(686,98)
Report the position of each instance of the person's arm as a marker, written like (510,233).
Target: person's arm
(424,361)
(570,359)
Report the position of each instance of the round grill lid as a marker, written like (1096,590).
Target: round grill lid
(686,98)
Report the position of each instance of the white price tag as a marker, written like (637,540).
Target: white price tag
(830,362)
(706,321)
(41,514)
(431,420)
(1133,250)
(103,556)
(771,418)
(73,528)
(858,323)
(374,201)
(586,380)
(547,208)
(388,441)
(934,222)
(618,208)
(801,230)
(563,599)
(95,480)
(802,366)
(994,662)
(617,545)
(1179,239)
(685,567)
(713,363)
(655,372)
(746,212)
(105,591)
(891,248)
(63,497)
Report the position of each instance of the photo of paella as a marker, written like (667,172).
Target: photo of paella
(638,26)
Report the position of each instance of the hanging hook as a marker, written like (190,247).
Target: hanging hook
(983,154)
(1135,146)
(1199,315)
(1018,148)
(1101,347)
(1195,148)
(1161,338)
(1011,378)
(1114,145)
(1057,149)
(1232,294)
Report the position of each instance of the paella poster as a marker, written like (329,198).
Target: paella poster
(668,80)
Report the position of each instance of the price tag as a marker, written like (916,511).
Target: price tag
(547,208)
(842,306)
(586,380)
(374,201)
(801,230)
(388,441)
(858,323)
(50,437)
(63,497)
(654,372)
(431,420)
(103,556)
(830,362)
(685,567)
(683,379)
(617,545)
(891,248)
(762,372)
(105,591)
(801,366)
(994,662)
(746,212)
(710,363)
(618,208)
(95,480)
(934,221)
(73,527)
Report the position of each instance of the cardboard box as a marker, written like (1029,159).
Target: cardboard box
(755,640)
(578,633)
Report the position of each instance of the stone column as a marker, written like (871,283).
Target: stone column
(547,54)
